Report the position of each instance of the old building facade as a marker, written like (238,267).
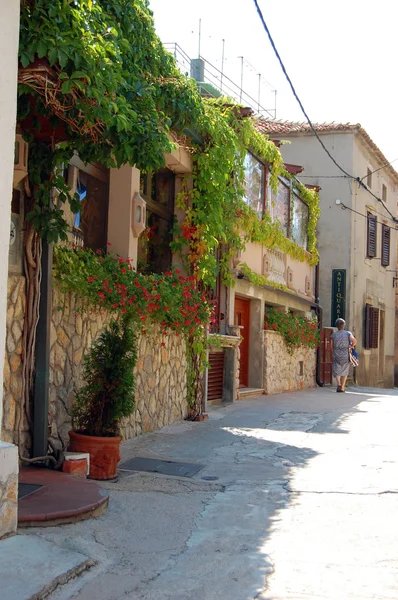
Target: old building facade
(356,235)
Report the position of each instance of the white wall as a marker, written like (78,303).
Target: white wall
(9,17)
(333,231)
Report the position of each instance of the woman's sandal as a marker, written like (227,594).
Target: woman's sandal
(338,389)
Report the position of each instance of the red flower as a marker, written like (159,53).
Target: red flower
(90,279)
(109,244)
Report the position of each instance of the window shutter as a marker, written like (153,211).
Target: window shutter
(385,246)
(371,327)
(375,328)
(371,236)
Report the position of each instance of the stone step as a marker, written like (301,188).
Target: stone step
(250,393)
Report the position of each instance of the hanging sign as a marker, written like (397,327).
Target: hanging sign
(338,294)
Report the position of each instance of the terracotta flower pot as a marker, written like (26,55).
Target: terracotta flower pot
(104,453)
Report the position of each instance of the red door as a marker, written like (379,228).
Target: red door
(242,318)
(326,356)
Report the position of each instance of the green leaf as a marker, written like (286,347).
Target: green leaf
(62,58)
(67,86)
(53,55)
(25,60)
(41,49)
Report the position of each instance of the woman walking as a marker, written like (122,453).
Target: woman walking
(340,342)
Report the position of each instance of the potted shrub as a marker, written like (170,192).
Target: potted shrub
(106,397)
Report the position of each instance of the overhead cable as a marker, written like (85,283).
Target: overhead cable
(357,179)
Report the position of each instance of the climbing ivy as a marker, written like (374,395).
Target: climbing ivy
(216,214)
(100,76)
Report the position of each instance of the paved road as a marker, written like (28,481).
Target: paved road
(305,507)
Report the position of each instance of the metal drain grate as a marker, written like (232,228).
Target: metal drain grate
(165,467)
(24,489)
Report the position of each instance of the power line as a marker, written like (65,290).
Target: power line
(360,182)
(323,176)
(344,207)
(380,168)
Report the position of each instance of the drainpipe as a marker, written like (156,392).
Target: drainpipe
(319,313)
(41,386)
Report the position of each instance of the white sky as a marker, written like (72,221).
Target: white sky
(340,54)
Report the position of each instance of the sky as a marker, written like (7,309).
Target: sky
(341,55)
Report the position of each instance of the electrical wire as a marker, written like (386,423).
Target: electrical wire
(360,182)
(344,207)
(323,176)
(380,168)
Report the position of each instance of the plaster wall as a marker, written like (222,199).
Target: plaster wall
(334,225)
(9,14)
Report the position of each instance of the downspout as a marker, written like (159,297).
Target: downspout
(319,313)
(41,385)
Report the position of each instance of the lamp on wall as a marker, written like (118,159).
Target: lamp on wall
(138,215)
(20,158)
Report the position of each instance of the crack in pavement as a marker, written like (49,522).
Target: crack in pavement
(384,492)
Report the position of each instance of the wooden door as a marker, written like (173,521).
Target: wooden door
(326,356)
(242,318)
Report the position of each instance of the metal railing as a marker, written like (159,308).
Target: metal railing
(216,83)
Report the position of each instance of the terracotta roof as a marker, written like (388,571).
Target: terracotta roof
(288,128)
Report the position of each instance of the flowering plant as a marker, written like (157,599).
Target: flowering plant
(104,281)
(296,330)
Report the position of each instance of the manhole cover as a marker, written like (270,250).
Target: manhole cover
(209,478)
(166,467)
(24,489)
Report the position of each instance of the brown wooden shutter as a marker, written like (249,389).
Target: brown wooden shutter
(371,236)
(371,327)
(215,382)
(385,246)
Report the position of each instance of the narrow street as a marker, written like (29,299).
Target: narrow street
(303,505)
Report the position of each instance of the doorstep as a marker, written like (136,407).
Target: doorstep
(250,393)
(58,498)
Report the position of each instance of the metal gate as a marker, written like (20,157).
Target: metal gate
(326,356)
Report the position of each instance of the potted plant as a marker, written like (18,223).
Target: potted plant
(106,397)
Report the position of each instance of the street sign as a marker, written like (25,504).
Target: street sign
(338,294)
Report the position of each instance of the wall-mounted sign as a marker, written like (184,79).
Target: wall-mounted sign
(338,294)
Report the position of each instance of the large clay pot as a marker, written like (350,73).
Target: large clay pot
(104,453)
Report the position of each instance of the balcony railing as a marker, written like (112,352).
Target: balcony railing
(214,83)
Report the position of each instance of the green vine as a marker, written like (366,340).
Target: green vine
(216,214)
(96,80)
(261,280)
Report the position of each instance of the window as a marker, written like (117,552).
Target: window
(371,236)
(279,205)
(385,245)
(369,178)
(300,222)
(92,220)
(154,252)
(371,326)
(254,184)
(384,193)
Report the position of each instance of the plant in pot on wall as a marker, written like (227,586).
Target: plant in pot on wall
(106,397)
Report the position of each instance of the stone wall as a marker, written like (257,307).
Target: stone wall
(160,370)
(12,384)
(8,489)
(283,372)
